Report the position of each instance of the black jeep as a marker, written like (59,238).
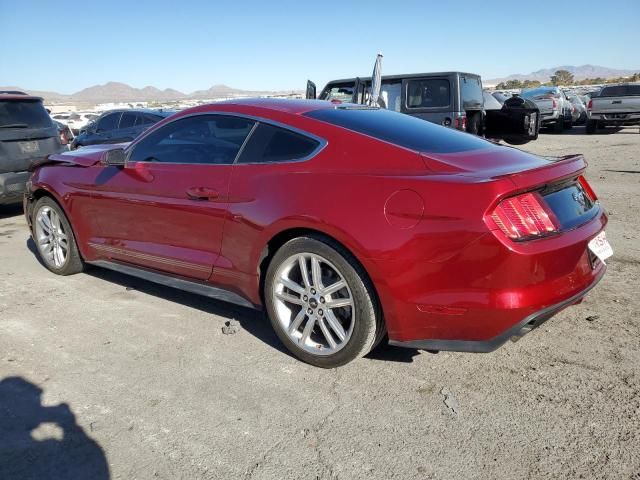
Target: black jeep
(452,99)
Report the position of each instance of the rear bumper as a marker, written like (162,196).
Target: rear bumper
(12,187)
(488,291)
(549,117)
(515,332)
(616,118)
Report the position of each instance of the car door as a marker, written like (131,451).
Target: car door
(105,128)
(126,128)
(165,209)
(271,155)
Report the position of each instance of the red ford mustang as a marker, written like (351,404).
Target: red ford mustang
(347,223)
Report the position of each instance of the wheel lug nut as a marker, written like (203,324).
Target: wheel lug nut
(305,298)
(313,292)
(321,299)
(320,312)
(309,311)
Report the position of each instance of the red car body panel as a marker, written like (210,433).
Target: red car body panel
(416,221)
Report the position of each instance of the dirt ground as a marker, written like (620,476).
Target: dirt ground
(106,376)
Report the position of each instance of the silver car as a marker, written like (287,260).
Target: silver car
(580,110)
(555,108)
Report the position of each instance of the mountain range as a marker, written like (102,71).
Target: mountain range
(579,73)
(121,92)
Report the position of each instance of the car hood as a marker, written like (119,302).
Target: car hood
(85,156)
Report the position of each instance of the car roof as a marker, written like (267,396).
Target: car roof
(15,95)
(162,113)
(287,105)
(402,76)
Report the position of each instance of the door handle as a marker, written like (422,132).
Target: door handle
(202,193)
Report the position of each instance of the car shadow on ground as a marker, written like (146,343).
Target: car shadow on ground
(8,211)
(38,442)
(253,321)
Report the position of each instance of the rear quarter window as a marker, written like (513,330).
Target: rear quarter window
(269,144)
(401,129)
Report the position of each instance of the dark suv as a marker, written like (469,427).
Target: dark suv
(27,133)
(452,99)
(119,126)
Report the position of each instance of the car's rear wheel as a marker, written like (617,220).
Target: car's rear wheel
(54,238)
(321,303)
(592,126)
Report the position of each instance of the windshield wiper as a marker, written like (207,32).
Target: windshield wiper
(15,125)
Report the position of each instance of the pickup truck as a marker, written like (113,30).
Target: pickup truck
(615,106)
(555,108)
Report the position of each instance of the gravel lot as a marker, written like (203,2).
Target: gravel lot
(158,391)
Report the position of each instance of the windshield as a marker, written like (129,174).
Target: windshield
(23,114)
(401,129)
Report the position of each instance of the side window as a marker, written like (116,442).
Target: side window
(390,95)
(208,139)
(269,143)
(128,120)
(342,92)
(148,119)
(428,93)
(108,122)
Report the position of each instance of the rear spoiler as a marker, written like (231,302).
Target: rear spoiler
(560,168)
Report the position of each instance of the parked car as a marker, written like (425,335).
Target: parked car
(26,134)
(580,110)
(346,223)
(615,105)
(505,117)
(76,121)
(118,126)
(555,109)
(451,99)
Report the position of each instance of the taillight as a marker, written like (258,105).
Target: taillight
(461,123)
(590,105)
(554,103)
(524,217)
(587,188)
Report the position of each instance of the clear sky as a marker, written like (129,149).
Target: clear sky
(65,46)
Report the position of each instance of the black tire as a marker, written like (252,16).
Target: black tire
(474,123)
(517,141)
(368,326)
(568,125)
(73,262)
(558,127)
(591,127)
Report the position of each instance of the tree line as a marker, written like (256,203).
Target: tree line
(565,78)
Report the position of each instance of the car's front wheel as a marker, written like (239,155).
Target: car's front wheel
(54,238)
(321,302)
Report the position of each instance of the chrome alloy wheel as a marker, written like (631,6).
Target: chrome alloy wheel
(313,303)
(52,240)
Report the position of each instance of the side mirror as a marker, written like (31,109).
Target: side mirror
(115,157)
